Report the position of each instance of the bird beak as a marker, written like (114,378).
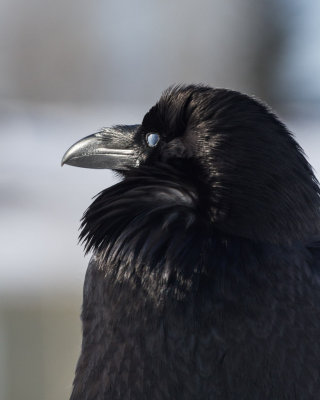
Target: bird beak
(111,148)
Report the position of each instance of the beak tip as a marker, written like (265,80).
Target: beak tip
(63,160)
(68,156)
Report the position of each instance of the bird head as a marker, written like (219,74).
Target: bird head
(230,157)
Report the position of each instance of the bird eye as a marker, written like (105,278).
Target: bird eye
(152,139)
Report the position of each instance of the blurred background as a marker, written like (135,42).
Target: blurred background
(69,67)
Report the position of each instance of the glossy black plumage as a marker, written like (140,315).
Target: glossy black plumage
(205,278)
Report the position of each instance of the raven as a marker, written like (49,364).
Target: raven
(205,277)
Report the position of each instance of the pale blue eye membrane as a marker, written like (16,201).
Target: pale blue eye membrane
(152,139)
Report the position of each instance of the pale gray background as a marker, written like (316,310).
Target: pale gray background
(69,67)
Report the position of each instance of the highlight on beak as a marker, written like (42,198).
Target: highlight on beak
(111,148)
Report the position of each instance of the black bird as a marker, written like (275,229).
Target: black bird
(205,277)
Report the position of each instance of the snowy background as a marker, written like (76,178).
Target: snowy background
(69,67)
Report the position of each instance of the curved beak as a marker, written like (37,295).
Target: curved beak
(111,148)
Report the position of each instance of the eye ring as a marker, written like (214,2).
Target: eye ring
(152,139)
